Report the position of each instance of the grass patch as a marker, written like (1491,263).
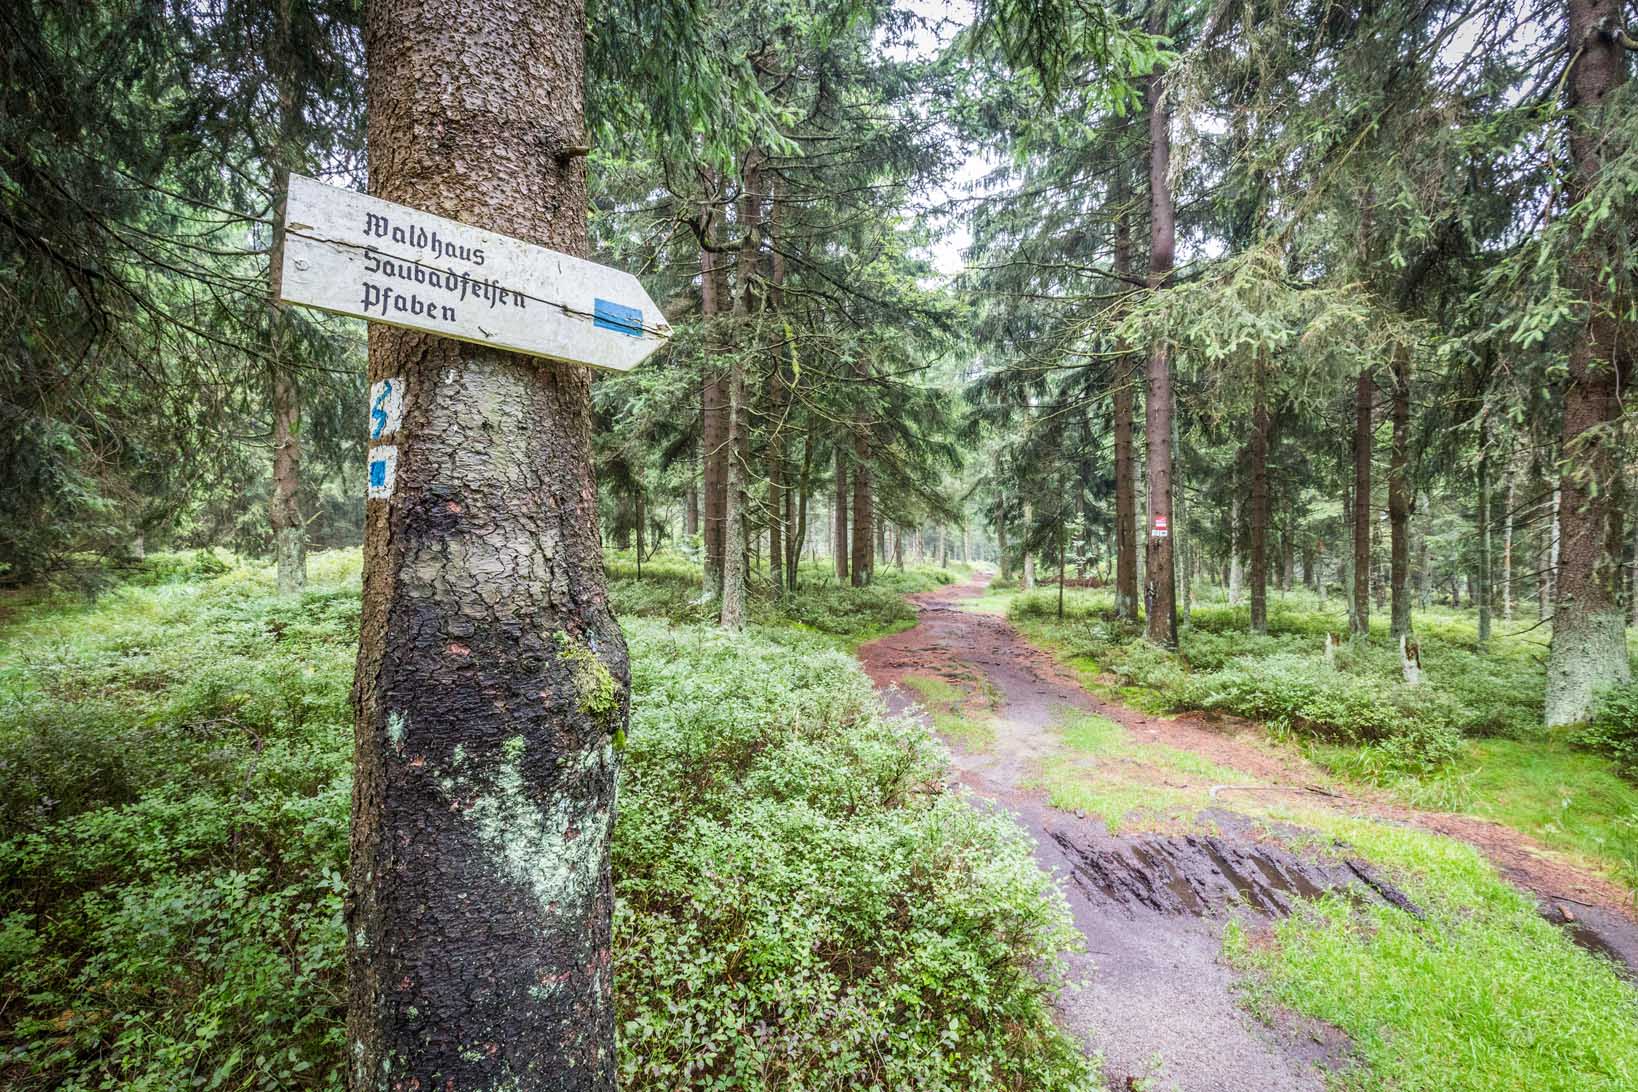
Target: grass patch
(953,717)
(1481,995)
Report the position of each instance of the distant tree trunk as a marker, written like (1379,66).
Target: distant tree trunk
(1001,539)
(1259,497)
(1553,546)
(1424,564)
(966,545)
(841,544)
(1399,497)
(1360,618)
(1482,590)
(1589,646)
(1236,572)
(943,548)
(898,548)
(1029,557)
(1507,544)
(733,557)
(1126,577)
(492,679)
(778,503)
(691,508)
(864,556)
(1160,592)
(798,527)
(713,415)
(289,529)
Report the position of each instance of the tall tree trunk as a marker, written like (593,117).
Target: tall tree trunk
(289,529)
(691,508)
(793,555)
(1507,544)
(1482,591)
(1029,557)
(863,513)
(733,524)
(1160,592)
(1001,540)
(776,519)
(1125,380)
(898,548)
(713,415)
(1259,497)
(492,680)
(1236,571)
(1360,616)
(1399,498)
(1589,647)
(841,544)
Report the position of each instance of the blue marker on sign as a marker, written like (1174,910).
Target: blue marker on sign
(618,317)
(383,472)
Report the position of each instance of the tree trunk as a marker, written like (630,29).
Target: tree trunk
(1001,540)
(1160,591)
(492,684)
(898,548)
(1029,558)
(289,530)
(943,548)
(1589,647)
(733,525)
(691,508)
(776,520)
(1482,589)
(1259,497)
(1399,498)
(793,555)
(1236,572)
(841,543)
(714,417)
(1360,617)
(1126,578)
(1507,545)
(863,513)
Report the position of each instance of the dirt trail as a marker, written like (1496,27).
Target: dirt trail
(1158,1004)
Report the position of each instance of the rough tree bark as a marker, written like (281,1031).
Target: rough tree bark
(713,415)
(1160,591)
(1399,498)
(492,681)
(1259,496)
(840,543)
(1359,617)
(1126,579)
(1589,647)
(1236,570)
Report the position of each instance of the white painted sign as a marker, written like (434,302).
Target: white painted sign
(383,471)
(386,407)
(353,254)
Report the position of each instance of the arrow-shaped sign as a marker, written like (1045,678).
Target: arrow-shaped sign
(353,254)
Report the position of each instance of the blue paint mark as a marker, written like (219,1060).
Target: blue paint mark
(618,317)
(378,473)
(378,413)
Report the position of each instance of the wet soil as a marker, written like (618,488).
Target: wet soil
(1156,1001)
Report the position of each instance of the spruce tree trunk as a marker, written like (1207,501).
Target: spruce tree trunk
(1589,648)
(492,679)
(289,530)
(1399,499)
(733,558)
(840,543)
(1259,498)
(1360,616)
(1126,578)
(799,536)
(714,419)
(1236,572)
(691,509)
(1029,558)
(1482,591)
(776,521)
(1507,546)
(1160,591)
(863,514)
(1001,540)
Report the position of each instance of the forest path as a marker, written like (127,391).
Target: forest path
(1158,1003)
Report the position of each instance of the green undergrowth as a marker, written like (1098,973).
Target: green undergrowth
(671,587)
(1480,995)
(798,904)
(1467,739)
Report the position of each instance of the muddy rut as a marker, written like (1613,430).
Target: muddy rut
(1157,1003)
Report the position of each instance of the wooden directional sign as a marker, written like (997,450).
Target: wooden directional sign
(353,254)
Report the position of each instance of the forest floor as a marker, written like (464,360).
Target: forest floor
(1170,834)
